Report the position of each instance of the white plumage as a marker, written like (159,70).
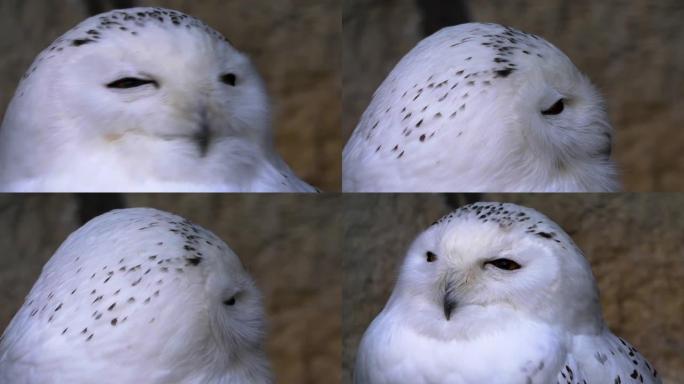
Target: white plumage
(138,296)
(142,99)
(482,107)
(495,293)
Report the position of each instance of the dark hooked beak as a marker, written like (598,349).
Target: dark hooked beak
(203,135)
(448,303)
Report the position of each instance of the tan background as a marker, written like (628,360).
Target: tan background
(295,45)
(633,242)
(289,243)
(632,50)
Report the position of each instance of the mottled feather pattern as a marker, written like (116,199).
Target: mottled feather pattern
(139,293)
(462,111)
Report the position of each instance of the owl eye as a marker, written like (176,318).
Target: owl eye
(130,82)
(430,257)
(229,302)
(555,109)
(608,148)
(229,78)
(505,264)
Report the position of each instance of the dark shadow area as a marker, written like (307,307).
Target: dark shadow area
(457,200)
(91,205)
(98,6)
(438,14)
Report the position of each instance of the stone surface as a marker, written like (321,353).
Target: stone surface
(633,242)
(26,28)
(31,229)
(295,45)
(289,243)
(633,51)
(375,35)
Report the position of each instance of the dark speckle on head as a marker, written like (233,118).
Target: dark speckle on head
(79,42)
(503,72)
(98,27)
(508,216)
(194,260)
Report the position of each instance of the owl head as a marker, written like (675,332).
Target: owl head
(488,257)
(141,91)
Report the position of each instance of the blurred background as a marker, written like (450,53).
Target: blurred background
(633,242)
(632,50)
(289,244)
(295,45)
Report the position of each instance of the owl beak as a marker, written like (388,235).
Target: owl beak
(203,136)
(449,306)
(448,302)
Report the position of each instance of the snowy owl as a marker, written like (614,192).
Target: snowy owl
(495,293)
(482,107)
(142,99)
(138,296)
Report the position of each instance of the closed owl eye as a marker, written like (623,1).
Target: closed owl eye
(505,264)
(555,109)
(130,82)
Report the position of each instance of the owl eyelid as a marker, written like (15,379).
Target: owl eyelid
(556,108)
(130,82)
(504,264)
